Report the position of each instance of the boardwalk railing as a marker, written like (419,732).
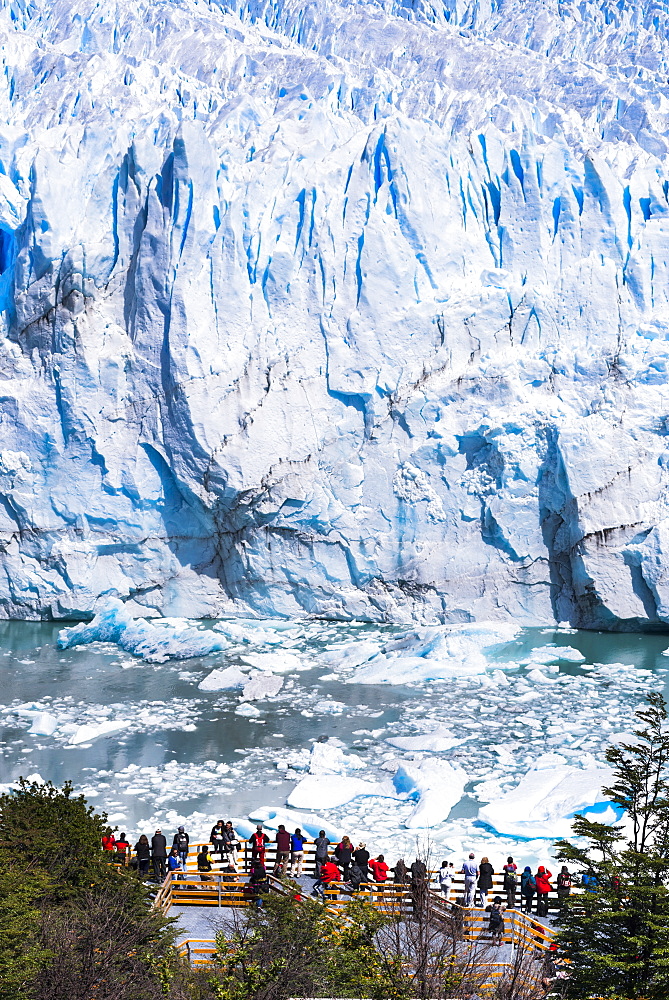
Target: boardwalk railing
(244,858)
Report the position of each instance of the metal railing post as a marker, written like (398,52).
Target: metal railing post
(219,891)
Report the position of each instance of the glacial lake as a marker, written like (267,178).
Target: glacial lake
(186,755)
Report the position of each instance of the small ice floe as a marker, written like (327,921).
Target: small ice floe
(261,686)
(89,732)
(225,679)
(553,654)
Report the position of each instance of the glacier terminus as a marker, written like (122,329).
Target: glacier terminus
(348,308)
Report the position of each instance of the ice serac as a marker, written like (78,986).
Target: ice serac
(355,308)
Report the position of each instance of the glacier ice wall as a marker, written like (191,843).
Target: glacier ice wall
(350,308)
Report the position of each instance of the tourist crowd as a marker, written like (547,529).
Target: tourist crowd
(342,863)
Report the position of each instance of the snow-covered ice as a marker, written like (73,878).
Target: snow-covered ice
(355,309)
(154,642)
(544,802)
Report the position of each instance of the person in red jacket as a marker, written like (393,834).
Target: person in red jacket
(258,842)
(379,868)
(329,874)
(109,840)
(544,886)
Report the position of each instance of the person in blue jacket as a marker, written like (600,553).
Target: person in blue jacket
(174,864)
(297,842)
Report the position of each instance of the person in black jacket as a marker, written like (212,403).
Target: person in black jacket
(486,872)
(216,838)
(343,852)
(181,842)
(361,857)
(143,855)
(159,856)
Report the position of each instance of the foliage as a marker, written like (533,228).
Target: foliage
(22,953)
(616,936)
(72,926)
(296,947)
(50,828)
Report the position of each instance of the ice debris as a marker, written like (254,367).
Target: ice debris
(155,642)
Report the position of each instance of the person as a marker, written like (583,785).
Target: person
(321,843)
(259,841)
(297,842)
(528,887)
(216,838)
(355,876)
(343,852)
(544,886)
(258,882)
(143,854)
(471,873)
(159,856)
(379,868)
(204,863)
(230,844)
(486,872)
(108,840)
(510,883)
(400,872)
(564,883)
(182,843)
(589,881)
(361,857)
(329,874)
(418,886)
(282,849)
(496,924)
(175,864)
(123,850)
(445,878)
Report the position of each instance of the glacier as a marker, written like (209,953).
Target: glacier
(348,308)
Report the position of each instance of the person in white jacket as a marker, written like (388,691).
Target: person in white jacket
(445,878)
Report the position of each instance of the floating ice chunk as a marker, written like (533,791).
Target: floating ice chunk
(262,686)
(44,724)
(87,733)
(435,653)
(328,707)
(247,709)
(435,742)
(352,655)
(328,791)
(438,785)
(310,824)
(553,654)
(155,642)
(546,800)
(329,758)
(275,663)
(538,677)
(226,679)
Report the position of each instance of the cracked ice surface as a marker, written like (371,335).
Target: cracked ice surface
(356,308)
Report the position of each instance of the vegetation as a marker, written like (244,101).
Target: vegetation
(71,926)
(616,936)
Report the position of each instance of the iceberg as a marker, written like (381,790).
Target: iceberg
(93,731)
(154,643)
(261,686)
(436,785)
(546,799)
(224,679)
(435,653)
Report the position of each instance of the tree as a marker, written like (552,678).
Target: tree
(50,828)
(616,935)
(71,925)
(22,952)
